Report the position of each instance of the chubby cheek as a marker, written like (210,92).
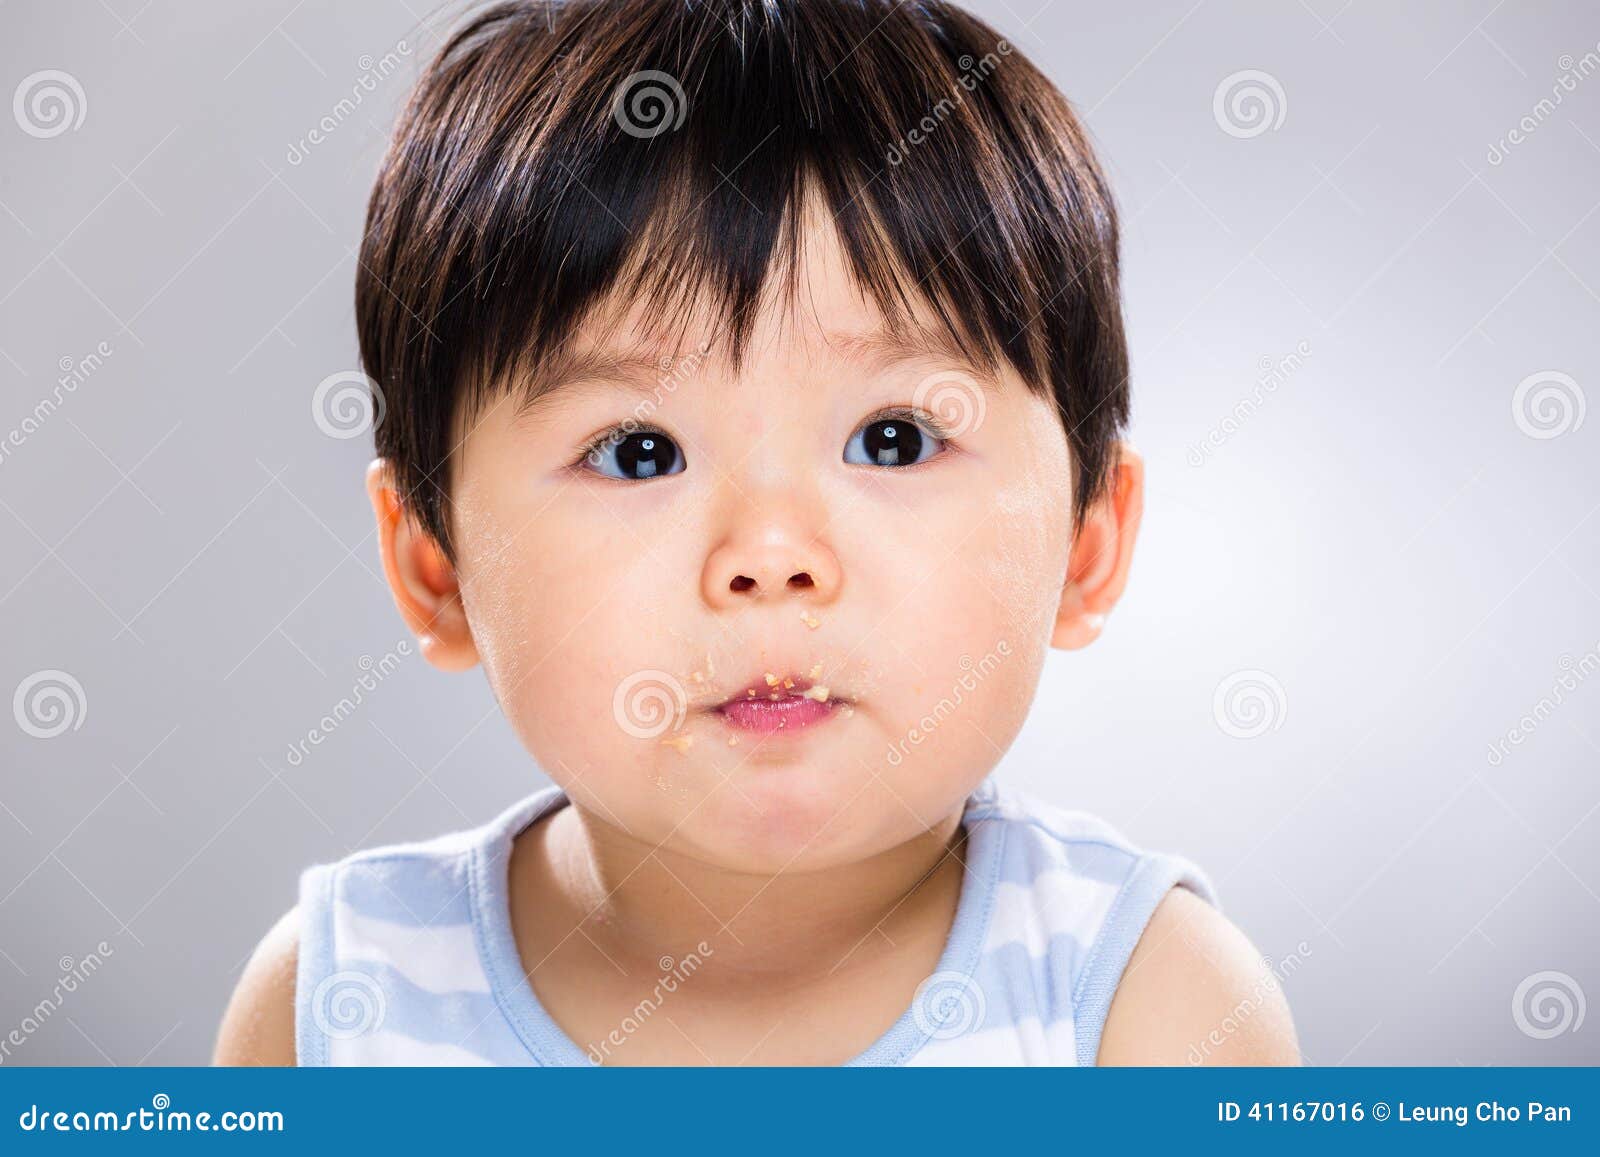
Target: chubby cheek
(568,621)
(973,644)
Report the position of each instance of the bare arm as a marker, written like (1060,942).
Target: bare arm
(258,1026)
(1197,992)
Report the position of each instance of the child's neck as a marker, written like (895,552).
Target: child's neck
(638,902)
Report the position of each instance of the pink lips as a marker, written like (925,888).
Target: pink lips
(786,713)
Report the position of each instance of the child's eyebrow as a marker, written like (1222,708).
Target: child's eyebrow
(647,370)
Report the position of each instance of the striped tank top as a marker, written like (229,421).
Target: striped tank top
(407,955)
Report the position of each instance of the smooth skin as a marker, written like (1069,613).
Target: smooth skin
(823,875)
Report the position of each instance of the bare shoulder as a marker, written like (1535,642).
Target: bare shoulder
(258,1026)
(1196,991)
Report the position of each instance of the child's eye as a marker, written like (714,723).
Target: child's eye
(901,437)
(635,456)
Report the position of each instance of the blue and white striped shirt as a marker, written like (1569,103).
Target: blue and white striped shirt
(407,955)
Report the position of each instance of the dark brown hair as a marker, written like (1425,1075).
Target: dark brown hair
(552,144)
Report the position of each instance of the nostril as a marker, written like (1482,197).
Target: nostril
(742,583)
(801,580)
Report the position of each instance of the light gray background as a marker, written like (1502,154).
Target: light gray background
(1380,536)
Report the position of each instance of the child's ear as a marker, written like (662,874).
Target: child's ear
(421,578)
(1097,568)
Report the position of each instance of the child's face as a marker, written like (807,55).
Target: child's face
(615,616)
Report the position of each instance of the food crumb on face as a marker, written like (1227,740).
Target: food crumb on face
(772,680)
(733,741)
(815,673)
(680,742)
(810,620)
(819,693)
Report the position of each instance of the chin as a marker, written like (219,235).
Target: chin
(767,820)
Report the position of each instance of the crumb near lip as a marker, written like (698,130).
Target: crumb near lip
(810,620)
(679,742)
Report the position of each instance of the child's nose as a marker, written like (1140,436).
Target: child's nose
(771,561)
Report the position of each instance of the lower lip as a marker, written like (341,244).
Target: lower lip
(768,715)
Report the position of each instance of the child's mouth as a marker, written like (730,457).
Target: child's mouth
(781,704)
